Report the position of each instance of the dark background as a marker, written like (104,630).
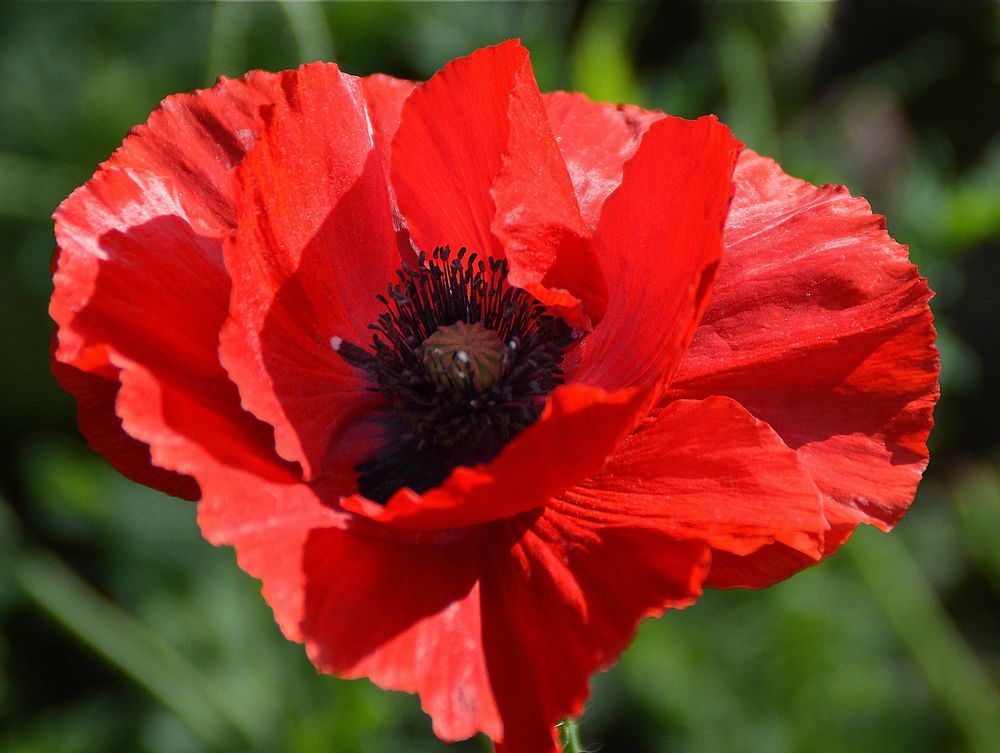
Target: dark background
(120,629)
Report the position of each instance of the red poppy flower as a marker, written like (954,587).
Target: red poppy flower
(669,365)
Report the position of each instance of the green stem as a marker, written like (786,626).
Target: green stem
(571,737)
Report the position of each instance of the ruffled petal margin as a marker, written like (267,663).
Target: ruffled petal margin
(95,397)
(819,325)
(268,521)
(562,600)
(463,615)
(140,292)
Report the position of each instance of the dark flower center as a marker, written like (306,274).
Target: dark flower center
(465,362)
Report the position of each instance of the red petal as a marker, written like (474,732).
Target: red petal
(407,615)
(768,565)
(197,139)
(708,470)
(659,241)
(819,326)
(187,151)
(152,318)
(95,397)
(140,290)
(150,315)
(579,428)
(385,96)
(314,245)
(496,627)
(563,601)
(475,164)
(595,140)
(268,522)
(404,612)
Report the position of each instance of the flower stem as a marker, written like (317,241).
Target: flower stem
(571,737)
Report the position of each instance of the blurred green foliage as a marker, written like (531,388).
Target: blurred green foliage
(120,629)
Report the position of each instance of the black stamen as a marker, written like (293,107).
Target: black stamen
(449,408)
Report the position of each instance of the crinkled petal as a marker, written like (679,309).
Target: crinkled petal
(152,218)
(268,522)
(401,610)
(708,470)
(188,421)
(497,627)
(562,596)
(315,243)
(659,240)
(95,397)
(423,634)
(196,140)
(140,296)
(595,140)
(819,325)
(578,429)
(475,164)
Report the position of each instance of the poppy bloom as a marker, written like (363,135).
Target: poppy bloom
(475,378)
